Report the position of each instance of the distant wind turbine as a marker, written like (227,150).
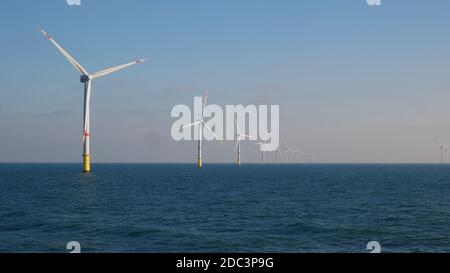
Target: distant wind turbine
(201,123)
(263,150)
(263,159)
(278,153)
(311,157)
(444,151)
(300,156)
(86,78)
(285,150)
(289,151)
(239,137)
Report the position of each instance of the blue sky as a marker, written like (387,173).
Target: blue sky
(353,82)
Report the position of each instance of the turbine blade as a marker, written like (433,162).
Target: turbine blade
(238,130)
(204,103)
(110,70)
(237,143)
(209,129)
(75,64)
(191,124)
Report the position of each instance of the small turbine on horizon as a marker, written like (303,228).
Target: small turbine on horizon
(263,144)
(263,159)
(86,78)
(278,154)
(444,151)
(289,152)
(300,156)
(239,137)
(285,151)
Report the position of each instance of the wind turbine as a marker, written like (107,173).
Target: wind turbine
(263,151)
(288,152)
(285,151)
(300,156)
(310,158)
(444,151)
(86,78)
(239,137)
(278,155)
(295,156)
(263,160)
(201,124)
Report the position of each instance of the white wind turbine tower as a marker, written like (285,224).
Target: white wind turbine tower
(201,123)
(86,78)
(444,151)
(295,156)
(278,154)
(263,159)
(289,151)
(263,151)
(300,156)
(284,150)
(310,157)
(239,138)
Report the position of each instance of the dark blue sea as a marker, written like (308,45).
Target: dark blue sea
(224,208)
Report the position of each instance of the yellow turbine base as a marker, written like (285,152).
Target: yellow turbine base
(86,163)
(200,163)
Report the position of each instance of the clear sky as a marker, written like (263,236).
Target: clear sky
(354,83)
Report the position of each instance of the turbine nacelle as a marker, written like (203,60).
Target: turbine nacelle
(86,78)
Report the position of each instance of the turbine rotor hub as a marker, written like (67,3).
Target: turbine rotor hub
(85,78)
